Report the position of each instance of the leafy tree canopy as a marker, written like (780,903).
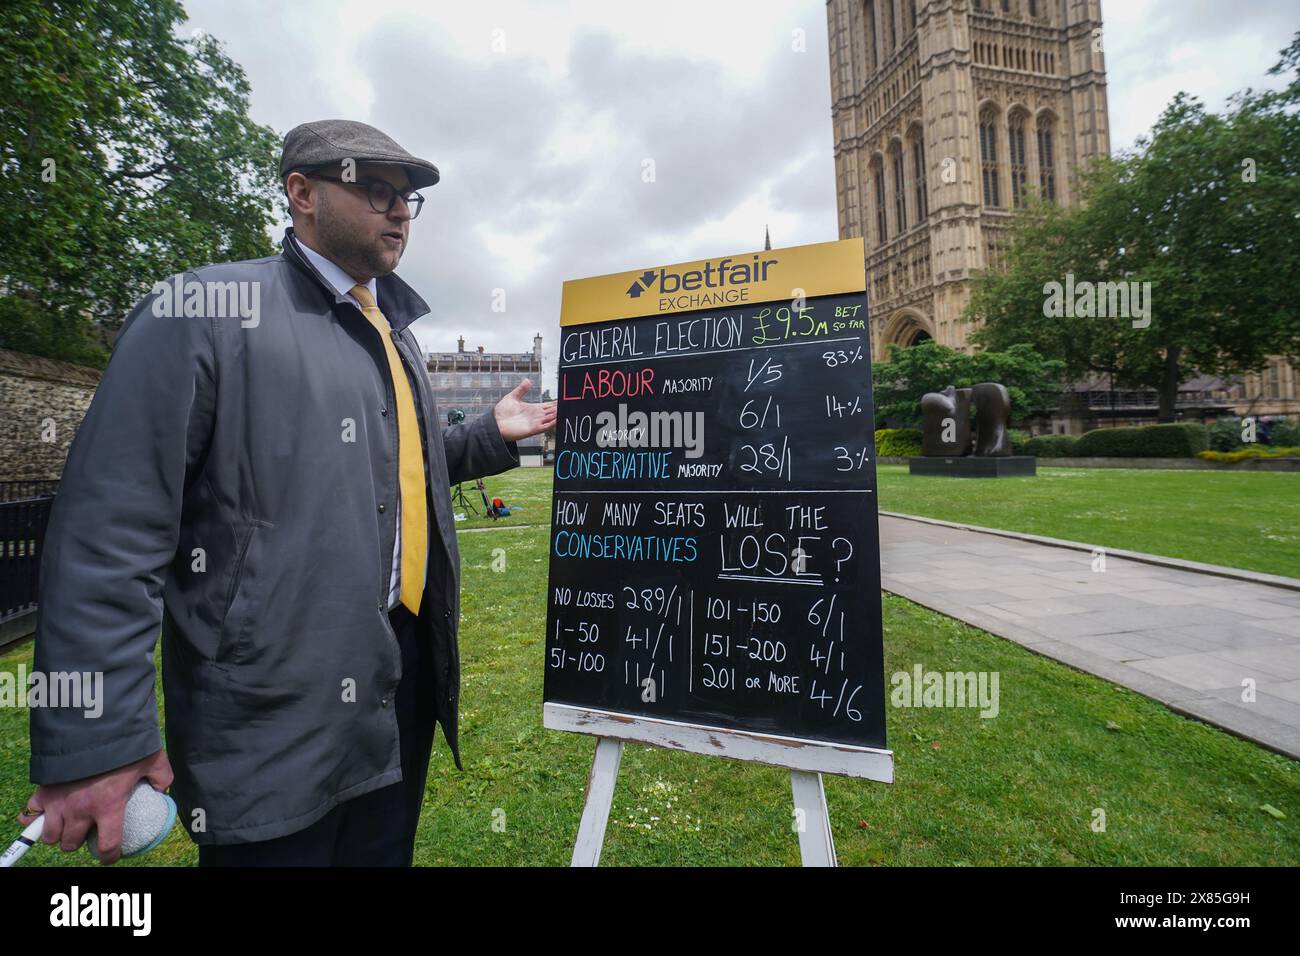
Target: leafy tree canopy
(898,384)
(126,155)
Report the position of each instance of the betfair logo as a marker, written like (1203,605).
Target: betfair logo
(725,273)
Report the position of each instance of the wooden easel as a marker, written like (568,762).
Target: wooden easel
(805,759)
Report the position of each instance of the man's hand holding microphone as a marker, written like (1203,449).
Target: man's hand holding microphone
(121,812)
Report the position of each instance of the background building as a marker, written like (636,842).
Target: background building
(475,381)
(946,114)
(1094,402)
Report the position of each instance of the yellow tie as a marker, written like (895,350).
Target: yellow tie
(410,459)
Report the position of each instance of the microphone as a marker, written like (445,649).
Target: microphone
(147,821)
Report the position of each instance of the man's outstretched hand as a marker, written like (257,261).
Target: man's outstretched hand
(518,419)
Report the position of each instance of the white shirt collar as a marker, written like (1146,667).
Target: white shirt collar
(335,276)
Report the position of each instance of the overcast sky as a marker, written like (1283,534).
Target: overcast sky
(541,117)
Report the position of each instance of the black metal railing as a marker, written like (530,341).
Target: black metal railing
(1102,399)
(21,490)
(22,533)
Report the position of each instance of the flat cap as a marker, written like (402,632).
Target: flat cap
(328,142)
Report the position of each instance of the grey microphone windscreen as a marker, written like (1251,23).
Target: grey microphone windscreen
(148,819)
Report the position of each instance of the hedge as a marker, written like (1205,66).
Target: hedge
(898,442)
(1180,440)
(1052,446)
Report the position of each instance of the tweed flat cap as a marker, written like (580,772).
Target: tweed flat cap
(327,142)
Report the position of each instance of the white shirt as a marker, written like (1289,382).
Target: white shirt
(343,283)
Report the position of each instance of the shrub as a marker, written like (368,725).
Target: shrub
(1052,446)
(1252,451)
(1225,434)
(1283,434)
(1019,440)
(898,442)
(1178,440)
(27,327)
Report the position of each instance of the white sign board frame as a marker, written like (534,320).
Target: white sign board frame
(806,760)
(823,269)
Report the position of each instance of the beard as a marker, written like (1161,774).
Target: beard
(356,252)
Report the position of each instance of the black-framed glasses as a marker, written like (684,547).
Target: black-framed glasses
(382,195)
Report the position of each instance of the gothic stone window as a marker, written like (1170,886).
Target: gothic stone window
(900,193)
(878,174)
(1274,387)
(1046,159)
(1019,163)
(918,172)
(989,157)
(871,34)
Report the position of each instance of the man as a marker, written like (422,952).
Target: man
(272,488)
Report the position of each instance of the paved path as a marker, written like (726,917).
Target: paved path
(1184,637)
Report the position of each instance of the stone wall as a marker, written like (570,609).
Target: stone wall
(42,403)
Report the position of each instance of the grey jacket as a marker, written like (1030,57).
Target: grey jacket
(236,484)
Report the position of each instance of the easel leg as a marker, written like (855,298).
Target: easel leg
(600,794)
(816,844)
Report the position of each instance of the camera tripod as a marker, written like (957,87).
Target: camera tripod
(460,499)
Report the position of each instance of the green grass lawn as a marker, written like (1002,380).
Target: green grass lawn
(528,488)
(1021,788)
(1239,519)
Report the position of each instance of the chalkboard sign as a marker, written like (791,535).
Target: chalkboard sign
(714,551)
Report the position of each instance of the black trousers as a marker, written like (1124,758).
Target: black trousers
(376,828)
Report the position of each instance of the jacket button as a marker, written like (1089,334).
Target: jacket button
(383,410)
(383,701)
(446,613)
(381,509)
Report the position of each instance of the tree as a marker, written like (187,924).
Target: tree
(1205,210)
(898,383)
(126,155)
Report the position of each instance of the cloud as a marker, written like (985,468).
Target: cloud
(541,118)
(1157,48)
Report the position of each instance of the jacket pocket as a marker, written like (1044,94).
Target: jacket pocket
(239,598)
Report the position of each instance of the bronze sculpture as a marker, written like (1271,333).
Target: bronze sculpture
(946,422)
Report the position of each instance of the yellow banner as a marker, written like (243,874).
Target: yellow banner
(823,268)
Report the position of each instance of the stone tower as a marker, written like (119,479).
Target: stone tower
(947,114)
